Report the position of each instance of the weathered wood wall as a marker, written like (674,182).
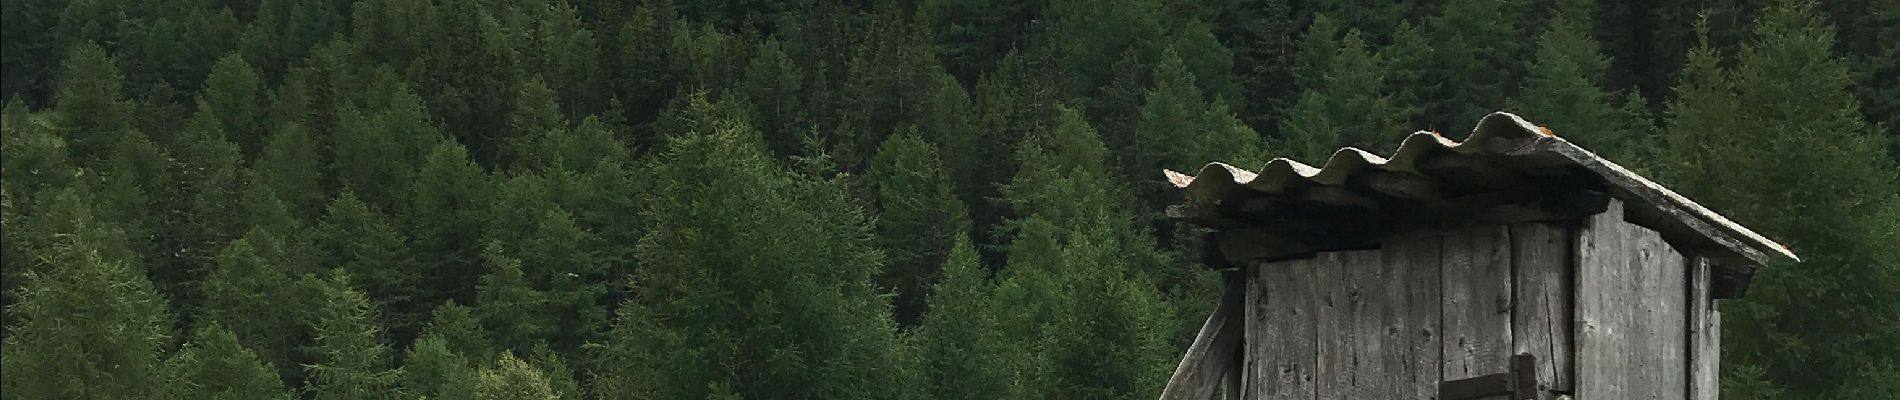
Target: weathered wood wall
(1609,310)
(1632,307)
(1393,323)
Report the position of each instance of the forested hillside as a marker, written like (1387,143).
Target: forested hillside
(694,199)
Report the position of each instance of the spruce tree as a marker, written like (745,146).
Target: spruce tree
(919,213)
(1347,105)
(354,237)
(248,286)
(236,94)
(512,379)
(352,360)
(433,370)
(91,108)
(777,263)
(213,366)
(1562,93)
(86,326)
(449,205)
(290,165)
(1069,264)
(516,314)
(1786,114)
(959,339)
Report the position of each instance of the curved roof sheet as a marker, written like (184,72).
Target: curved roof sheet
(1500,136)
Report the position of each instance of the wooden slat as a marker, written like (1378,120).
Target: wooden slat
(1333,297)
(1540,322)
(1281,352)
(1662,323)
(1705,333)
(1477,302)
(1416,262)
(1354,322)
(1602,306)
(1203,370)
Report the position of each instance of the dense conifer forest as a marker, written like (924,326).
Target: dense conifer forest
(803,199)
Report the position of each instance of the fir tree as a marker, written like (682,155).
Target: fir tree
(357,239)
(352,360)
(1349,105)
(919,214)
(512,379)
(235,93)
(87,326)
(515,313)
(435,371)
(959,339)
(92,109)
(776,261)
(1786,112)
(214,366)
(247,286)
(1562,93)
(290,166)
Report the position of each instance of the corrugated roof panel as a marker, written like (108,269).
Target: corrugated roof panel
(1500,136)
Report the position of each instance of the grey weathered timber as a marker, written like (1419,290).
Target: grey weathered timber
(1540,322)
(1662,354)
(1476,302)
(1337,368)
(1602,306)
(1353,325)
(1705,333)
(1280,347)
(1208,360)
(1417,260)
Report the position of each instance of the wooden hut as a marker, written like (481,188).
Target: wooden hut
(1512,265)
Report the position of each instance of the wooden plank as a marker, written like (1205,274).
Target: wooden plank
(1281,349)
(1476,302)
(1202,371)
(1353,325)
(1540,322)
(1705,333)
(1661,324)
(1332,298)
(1601,300)
(1415,262)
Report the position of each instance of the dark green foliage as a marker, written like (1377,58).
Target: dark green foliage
(352,360)
(1786,110)
(809,199)
(778,263)
(512,379)
(1349,104)
(1562,92)
(919,214)
(90,106)
(960,338)
(214,366)
(87,326)
(247,286)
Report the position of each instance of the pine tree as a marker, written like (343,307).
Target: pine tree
(435,371)
(515,313)
(35,155)
(92,110)
(290,166)
(536,116)
(776,262)
(1786,112)
(352,361)
(87,325)
(1562,93)
(1349,105)
(247,286)
(450,204)
(512,379)
(1069,264)
(235,93)
(959,339)
(1475,53)
(919,213)
(357,239)
(213,366)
